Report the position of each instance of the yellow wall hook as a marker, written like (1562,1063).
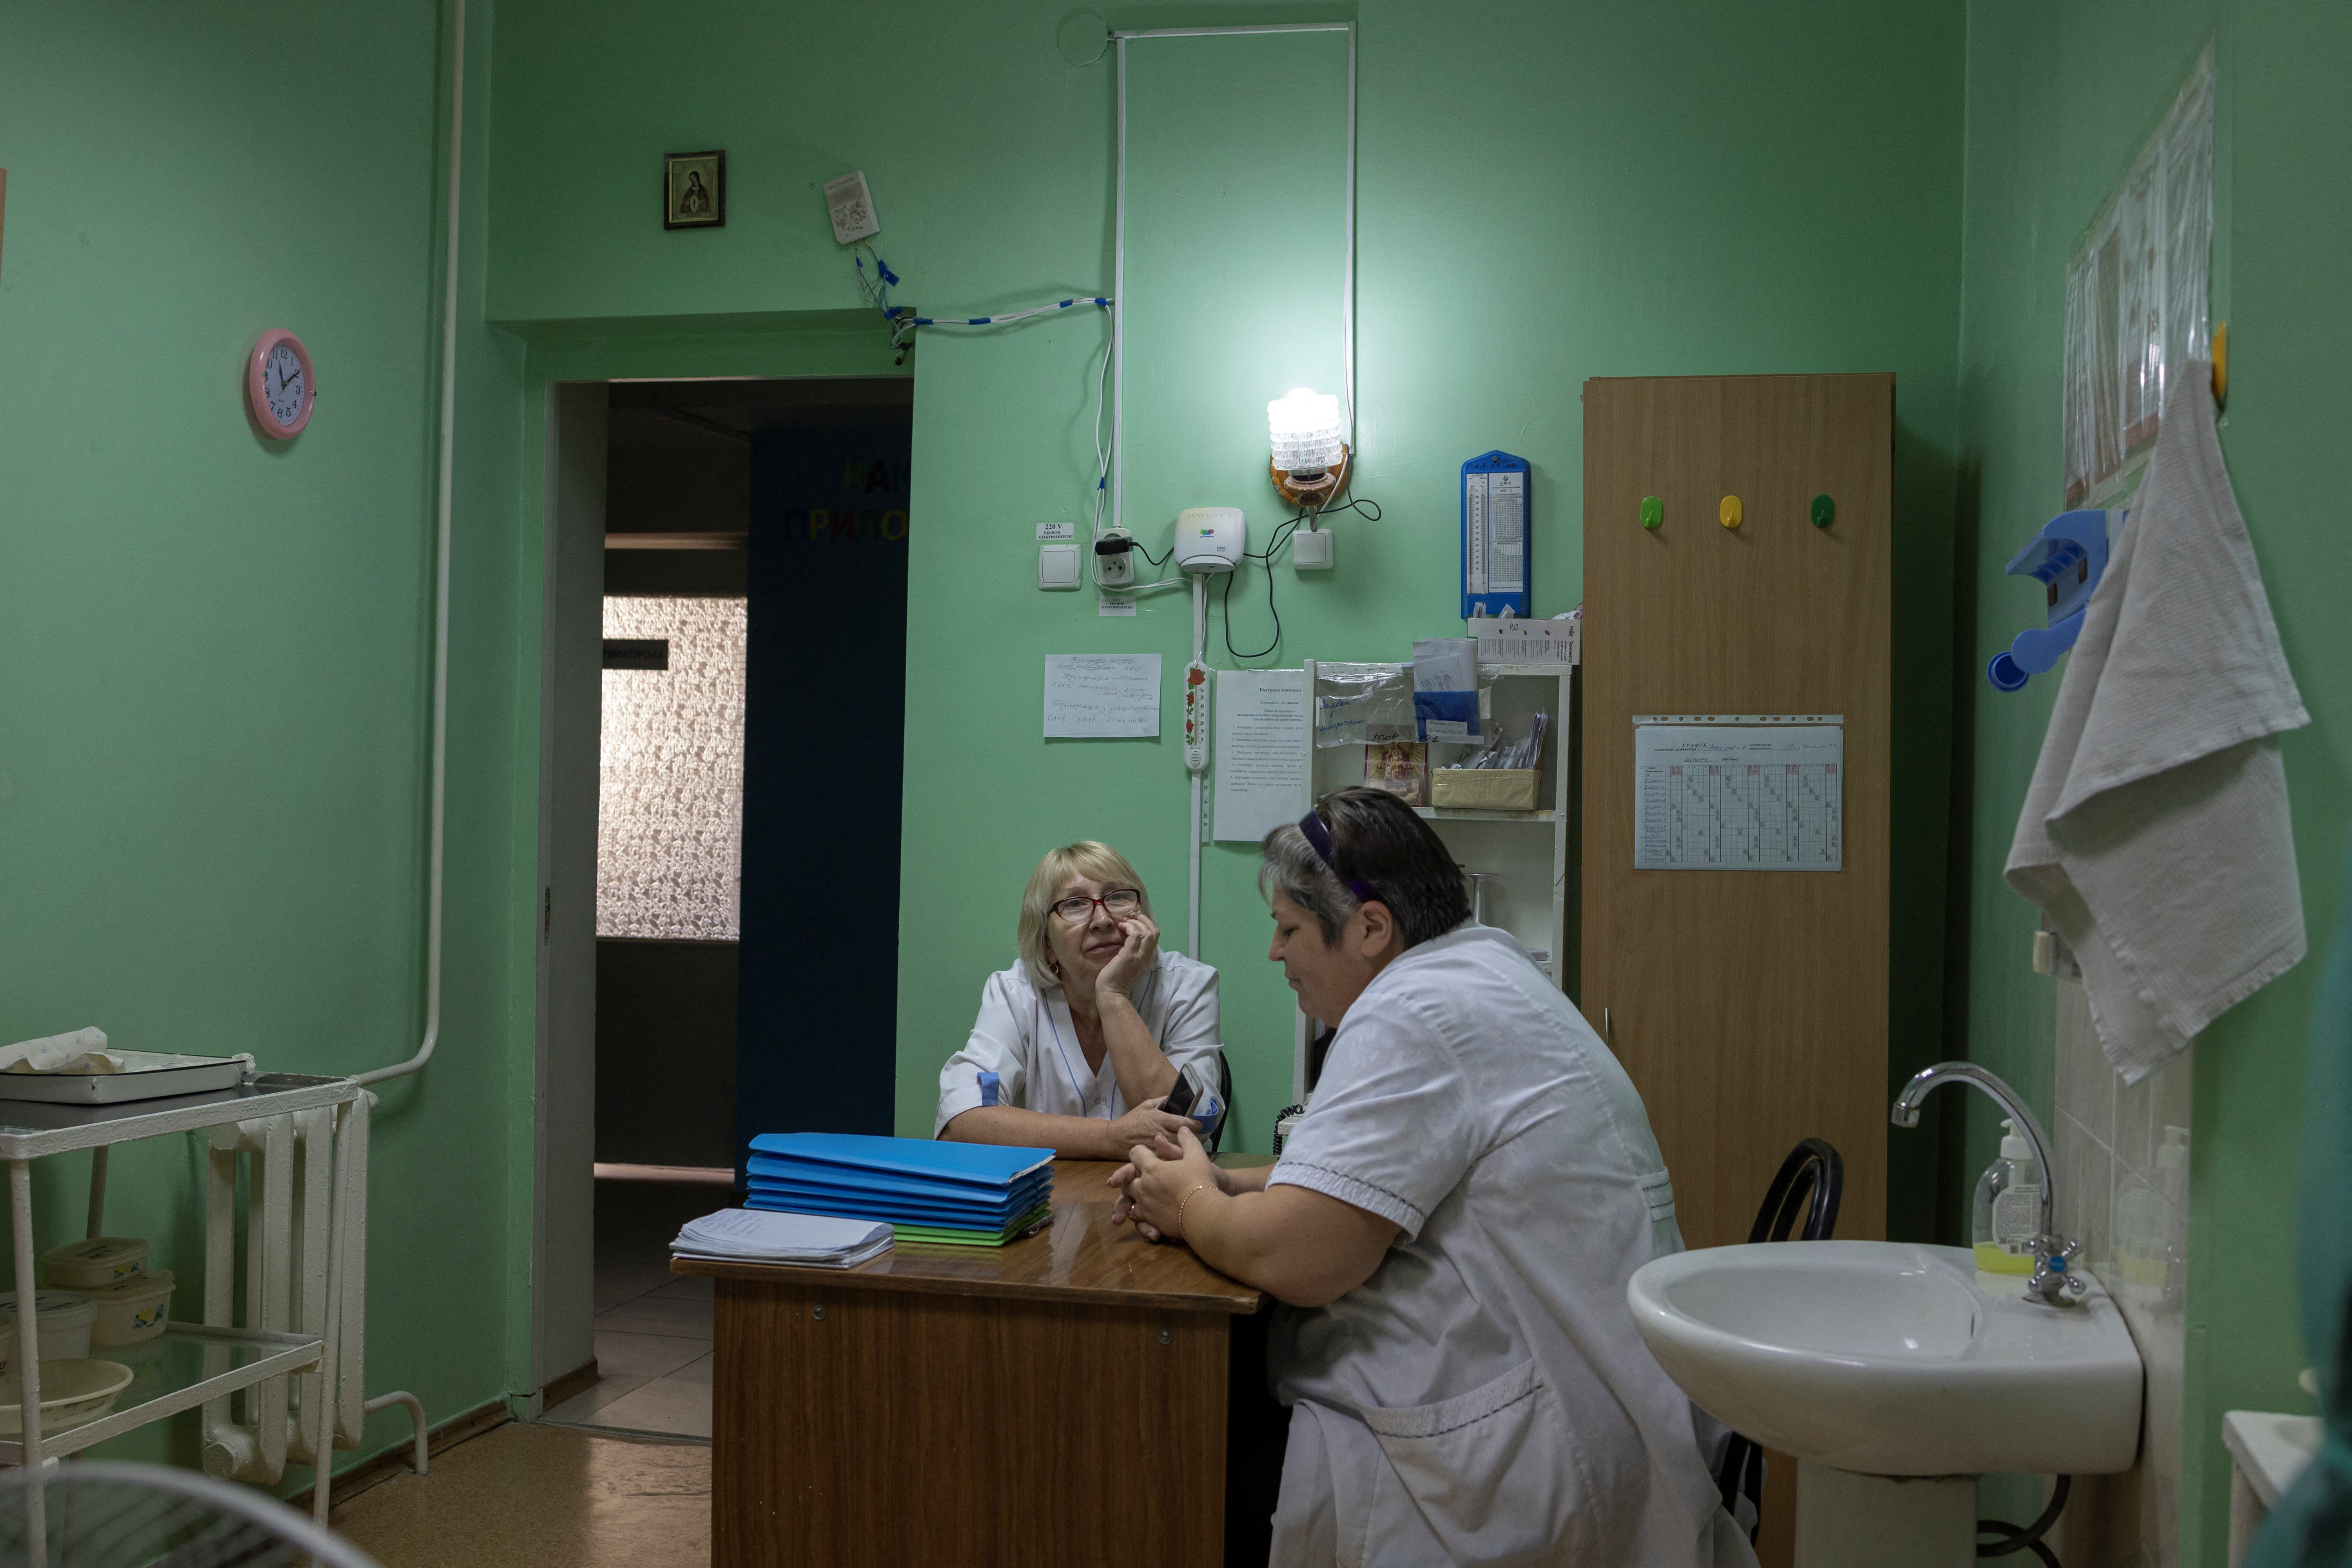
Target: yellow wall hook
(1730,512)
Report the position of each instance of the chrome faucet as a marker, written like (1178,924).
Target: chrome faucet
(2057,1281)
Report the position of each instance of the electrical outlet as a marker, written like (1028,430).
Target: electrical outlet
(1115,569)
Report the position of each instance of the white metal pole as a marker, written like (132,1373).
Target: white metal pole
(28,1357)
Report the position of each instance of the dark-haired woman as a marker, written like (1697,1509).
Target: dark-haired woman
(1451,1227)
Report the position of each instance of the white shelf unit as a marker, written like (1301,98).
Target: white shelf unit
(193,1364)
(1526,851)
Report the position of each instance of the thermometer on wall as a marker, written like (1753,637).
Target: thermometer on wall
(1196,717)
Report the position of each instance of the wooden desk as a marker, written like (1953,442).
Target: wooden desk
(1058,1400)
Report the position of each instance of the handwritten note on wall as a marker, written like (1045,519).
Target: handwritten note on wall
(1102,694)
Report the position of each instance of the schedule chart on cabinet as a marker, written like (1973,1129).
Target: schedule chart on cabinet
(1749,792)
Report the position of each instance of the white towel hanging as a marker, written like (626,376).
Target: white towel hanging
(2156,834)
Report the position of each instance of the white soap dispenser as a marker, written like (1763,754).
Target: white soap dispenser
(2008,1210)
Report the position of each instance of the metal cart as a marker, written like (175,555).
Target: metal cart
(295,1277)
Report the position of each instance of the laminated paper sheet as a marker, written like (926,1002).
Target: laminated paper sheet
(1260,757)
(1745,793)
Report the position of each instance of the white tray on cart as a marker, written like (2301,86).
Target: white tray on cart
(145,1075)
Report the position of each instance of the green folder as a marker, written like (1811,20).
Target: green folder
(947,1236)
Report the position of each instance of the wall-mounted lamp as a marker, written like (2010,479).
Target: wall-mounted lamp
(1309,467)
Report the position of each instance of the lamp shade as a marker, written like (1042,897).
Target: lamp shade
(1304,427)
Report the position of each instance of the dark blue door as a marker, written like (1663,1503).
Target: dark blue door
(824,713)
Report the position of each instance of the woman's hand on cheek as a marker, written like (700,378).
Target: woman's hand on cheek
(1138,950)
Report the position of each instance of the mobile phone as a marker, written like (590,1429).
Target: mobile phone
(1180,1098)
(1194,1096)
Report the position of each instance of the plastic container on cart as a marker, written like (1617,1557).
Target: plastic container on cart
(62,1320)
(94,1263)
(139,1308)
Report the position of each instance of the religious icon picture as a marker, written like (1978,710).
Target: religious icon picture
(694,190)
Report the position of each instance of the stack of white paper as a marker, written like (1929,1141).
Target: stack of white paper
(768,1236)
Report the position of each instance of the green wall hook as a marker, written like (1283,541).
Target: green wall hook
(1824,511)
(1653,511)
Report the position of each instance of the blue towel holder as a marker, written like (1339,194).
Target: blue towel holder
(2067,558)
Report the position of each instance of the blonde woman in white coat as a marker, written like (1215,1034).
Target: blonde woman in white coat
(1077,1045)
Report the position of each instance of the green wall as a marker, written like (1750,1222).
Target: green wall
(213,787)
(1552,193)
(2059,98)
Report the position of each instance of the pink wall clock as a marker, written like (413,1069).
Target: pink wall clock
(279,385)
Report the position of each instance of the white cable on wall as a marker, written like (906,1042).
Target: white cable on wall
(441,582)
(1348,273)
(1118,292)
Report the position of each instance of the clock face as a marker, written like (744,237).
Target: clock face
(283,388)
(280,387)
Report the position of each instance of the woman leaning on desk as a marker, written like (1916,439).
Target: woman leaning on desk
(1077,1043)
(1451,1226)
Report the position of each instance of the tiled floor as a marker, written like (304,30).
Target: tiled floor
(653,1328)
(541,1496)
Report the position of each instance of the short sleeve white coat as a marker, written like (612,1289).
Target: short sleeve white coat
(1485,1397)
(1023,1035)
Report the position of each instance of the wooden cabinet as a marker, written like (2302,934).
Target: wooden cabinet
(1748,1006)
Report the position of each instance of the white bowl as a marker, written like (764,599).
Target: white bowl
(73,1393)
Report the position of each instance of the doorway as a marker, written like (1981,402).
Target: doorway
(748,596)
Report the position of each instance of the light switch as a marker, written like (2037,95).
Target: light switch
(1310,549)
(1057,567)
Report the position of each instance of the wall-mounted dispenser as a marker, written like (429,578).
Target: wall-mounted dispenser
(2067,558)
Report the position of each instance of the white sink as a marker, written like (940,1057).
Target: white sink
(1889,1359)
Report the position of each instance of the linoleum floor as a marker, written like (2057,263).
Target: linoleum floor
(653,1327)
(541,1496)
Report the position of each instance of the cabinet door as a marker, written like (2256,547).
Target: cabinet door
(1748,1006)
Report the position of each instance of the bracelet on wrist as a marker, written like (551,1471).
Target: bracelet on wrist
(1183,1202)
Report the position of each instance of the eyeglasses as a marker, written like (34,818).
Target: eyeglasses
(1117,902)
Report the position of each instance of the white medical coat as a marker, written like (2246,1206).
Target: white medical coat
(1485,1396)
(1025,1035)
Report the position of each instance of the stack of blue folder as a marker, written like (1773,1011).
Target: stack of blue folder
(980,1194)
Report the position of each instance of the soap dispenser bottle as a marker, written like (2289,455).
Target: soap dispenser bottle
(2008,1211)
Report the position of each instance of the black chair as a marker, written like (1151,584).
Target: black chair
(1813,1171)
(1225,1096)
